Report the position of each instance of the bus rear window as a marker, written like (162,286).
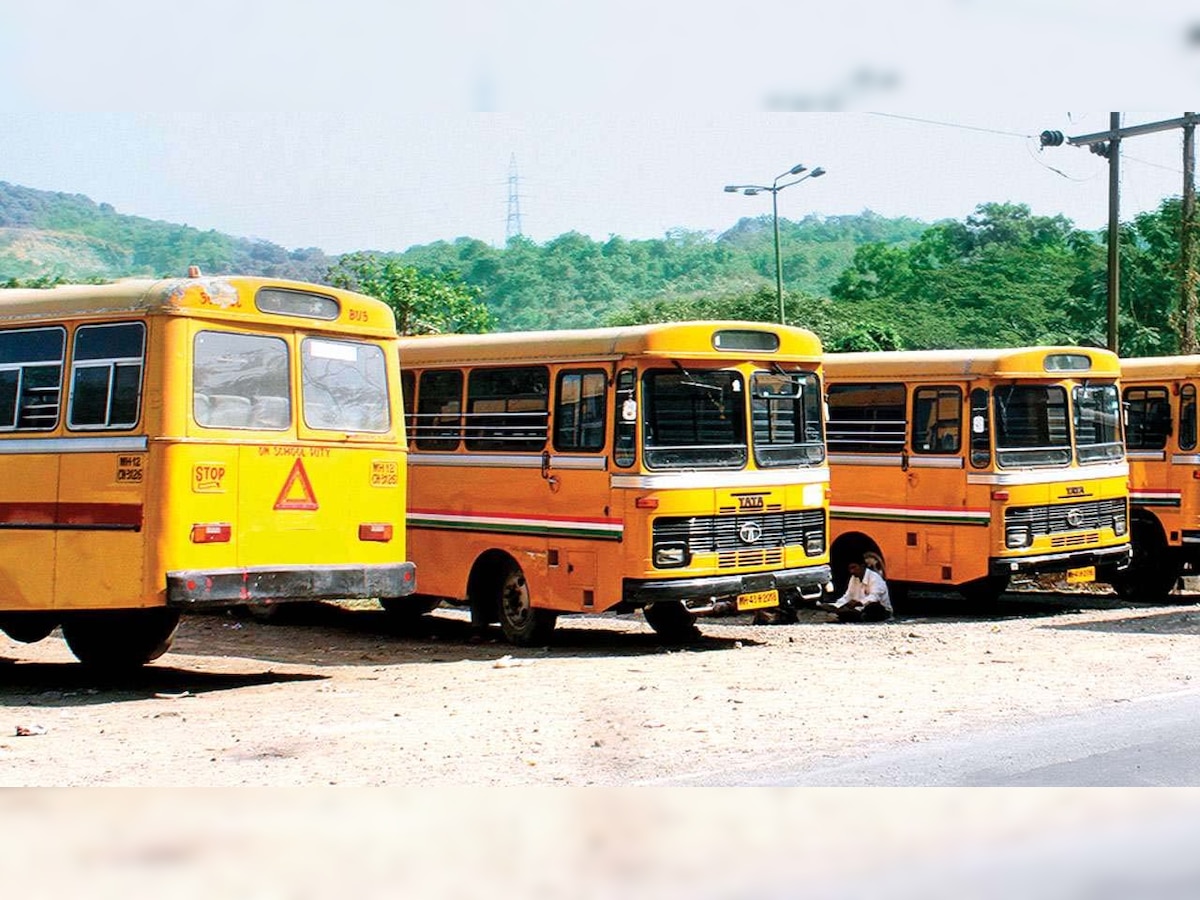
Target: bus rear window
(240,381)
(345,386)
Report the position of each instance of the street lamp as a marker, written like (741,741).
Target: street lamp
(775,187)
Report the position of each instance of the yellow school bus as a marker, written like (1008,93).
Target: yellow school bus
(193,442)
(1164,471)
(678,469)
(963,468)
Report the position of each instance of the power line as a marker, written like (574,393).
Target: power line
(951,125)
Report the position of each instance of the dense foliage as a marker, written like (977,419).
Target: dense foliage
(1001,276)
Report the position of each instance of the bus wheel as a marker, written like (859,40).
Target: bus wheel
(408,609)
(521,623)
(120,639)
(984,592)
(671,622)
(28,628)
(1153,571)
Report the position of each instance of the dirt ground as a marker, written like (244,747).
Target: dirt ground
(339,695)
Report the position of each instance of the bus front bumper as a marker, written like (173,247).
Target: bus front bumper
(231,587)
(1107,559)
(716,595)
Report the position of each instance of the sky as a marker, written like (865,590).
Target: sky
(378,126)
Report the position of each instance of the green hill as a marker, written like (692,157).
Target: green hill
(68,237)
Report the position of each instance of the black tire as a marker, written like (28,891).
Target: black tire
(408,609)
(120,639)
(521,623)
(672,622)
(984,592)
(28,628)
(1154,569)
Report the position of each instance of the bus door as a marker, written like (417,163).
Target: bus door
(101,494)
(935,483)
(575,486)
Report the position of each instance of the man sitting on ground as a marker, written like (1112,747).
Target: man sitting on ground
(866,598)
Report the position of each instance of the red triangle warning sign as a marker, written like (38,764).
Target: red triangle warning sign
(297,491)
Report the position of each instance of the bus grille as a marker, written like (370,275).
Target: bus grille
(725,535)
(1060,518)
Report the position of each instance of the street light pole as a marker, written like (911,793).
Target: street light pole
(774,188)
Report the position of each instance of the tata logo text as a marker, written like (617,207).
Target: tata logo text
(752,501)
(1075,490)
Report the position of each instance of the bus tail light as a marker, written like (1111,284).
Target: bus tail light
(217,533)
(375,531)
(999,495)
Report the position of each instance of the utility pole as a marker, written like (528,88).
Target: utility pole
(1187,247)
(1107,144)
(1114,230)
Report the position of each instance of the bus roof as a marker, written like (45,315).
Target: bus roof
(1012,362)
(692,340)
(225,297)
(1161,367)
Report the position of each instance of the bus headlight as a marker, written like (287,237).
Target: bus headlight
(1015,538)
(671,556)
(814,543)
(1120,524)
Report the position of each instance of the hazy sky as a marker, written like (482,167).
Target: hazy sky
(360,125)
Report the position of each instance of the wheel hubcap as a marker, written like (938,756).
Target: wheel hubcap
(515,600)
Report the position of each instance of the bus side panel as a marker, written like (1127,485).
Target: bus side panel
(28,497)
(101,541)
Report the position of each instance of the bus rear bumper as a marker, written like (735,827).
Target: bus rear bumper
(717,595)
(226,587)
(1105,559)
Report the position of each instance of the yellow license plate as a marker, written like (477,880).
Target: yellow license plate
(1086,575)
(757,600)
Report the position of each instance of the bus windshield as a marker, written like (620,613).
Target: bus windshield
(1097,423)
(785,410)
(1031,426)
(694,419)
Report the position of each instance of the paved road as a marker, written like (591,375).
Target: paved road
(1149,742)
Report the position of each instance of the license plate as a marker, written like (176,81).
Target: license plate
(757,600)
(1086,575)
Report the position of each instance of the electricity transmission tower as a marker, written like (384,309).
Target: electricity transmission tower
(513,226)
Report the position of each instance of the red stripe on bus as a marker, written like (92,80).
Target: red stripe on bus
(49,515)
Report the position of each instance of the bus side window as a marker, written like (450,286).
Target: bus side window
(981,437)
(438,422)
(866,418)
(1148,414)
(31,365)
(508,408)
(580,410)
(106,375)
(937,420)
(1187,417)
(626,411)
(408,387)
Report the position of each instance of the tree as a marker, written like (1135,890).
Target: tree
(423,303)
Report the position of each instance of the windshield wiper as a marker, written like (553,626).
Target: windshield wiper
(692,382)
